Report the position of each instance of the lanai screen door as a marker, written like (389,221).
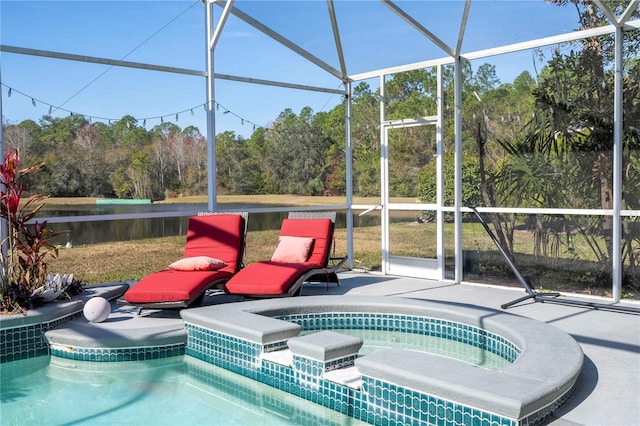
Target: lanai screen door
(412,220)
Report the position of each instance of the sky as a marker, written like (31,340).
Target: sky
(172,33)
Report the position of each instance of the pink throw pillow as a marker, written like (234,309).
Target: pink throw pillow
(292,249)
(198,263)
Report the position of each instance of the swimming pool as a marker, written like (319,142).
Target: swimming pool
(261,341)
(176,391)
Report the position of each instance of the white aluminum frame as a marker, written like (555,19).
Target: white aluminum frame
(431,268)
(453,56)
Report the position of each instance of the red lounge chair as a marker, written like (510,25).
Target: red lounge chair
(218,236)
(277,278)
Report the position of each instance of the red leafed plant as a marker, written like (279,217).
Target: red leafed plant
(23,266)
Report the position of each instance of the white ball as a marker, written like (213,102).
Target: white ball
(97,309)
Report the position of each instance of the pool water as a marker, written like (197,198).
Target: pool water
(173,391)
(377,340)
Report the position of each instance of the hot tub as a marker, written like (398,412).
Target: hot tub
(260,339)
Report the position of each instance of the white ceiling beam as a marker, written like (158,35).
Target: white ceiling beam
(546,41)
(401,68)
(463,26)
(421,29)
(96,60)
(633,24)
(277,84)
(282,40)
(336,37)
(128,64)
(626,15)
(510,48)
(617,20)
(223,19)
(611,16)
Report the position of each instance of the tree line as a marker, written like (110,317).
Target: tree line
(120,159)
(300,153)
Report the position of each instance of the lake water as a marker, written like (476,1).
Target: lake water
(167,225)
(101,231)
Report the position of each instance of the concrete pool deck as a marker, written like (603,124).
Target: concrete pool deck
(607,391)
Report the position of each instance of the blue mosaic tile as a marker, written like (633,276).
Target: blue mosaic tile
(377,402)
(118,354)
(28,341)
(229,352)
(543,414)
(427,326)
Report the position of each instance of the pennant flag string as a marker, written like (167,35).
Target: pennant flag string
(35,102)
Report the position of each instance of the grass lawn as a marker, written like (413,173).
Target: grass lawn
(132,260)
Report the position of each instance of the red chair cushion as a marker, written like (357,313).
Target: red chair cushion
(220,236)
(173,286)
(275,278)
(266,278)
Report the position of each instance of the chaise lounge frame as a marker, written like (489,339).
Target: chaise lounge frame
(325,274)
(215,283)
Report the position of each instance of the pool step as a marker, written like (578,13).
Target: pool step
(123,336)
(348,376)
(325,354)
(282,357)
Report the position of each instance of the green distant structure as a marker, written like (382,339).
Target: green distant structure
(123,201)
